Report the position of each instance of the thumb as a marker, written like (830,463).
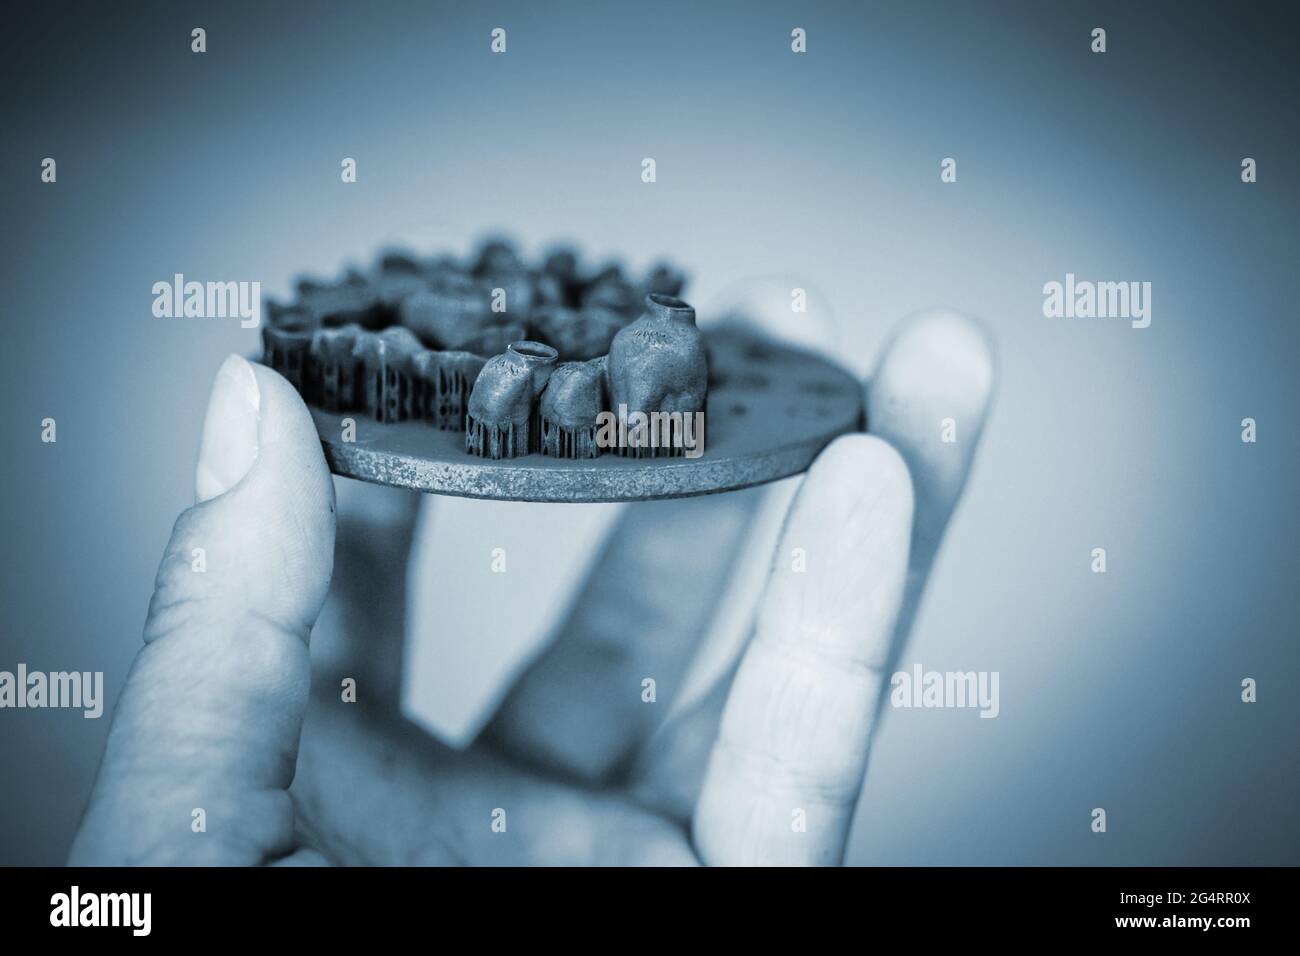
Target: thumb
(205,736)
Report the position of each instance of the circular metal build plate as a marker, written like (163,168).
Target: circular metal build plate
(770,410)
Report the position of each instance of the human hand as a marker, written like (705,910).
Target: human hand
(212,715)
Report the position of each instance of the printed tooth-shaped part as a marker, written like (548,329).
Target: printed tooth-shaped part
(493,338)
(610,271)
(548,290)
(286,341)
(423,368)
(611,291)
(384,359)
(658,364)
(497,256)
(499,422)
(440,386)
(340,347)
(392,287)
(578,336)
(332,366)
(308,286)
(396,274)
(512,295)
(570,406)
(397,260)
(509,293)
(559,282)
(352,301)
(451,312)
(437,268)
(505,280)
(562,262)
(665,280)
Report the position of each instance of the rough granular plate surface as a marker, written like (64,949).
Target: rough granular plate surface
(770,410)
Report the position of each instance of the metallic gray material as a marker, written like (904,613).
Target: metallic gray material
(615,294)
(665,279)
(383,359)
(497,257)
(562,262)
(770,410)
(286,340)
(658,364)
(388,374)
(333,371)
(450,314)
(499,267)
(499,423)
(440,387)
(353,301)
(574,398)
(578,335)
(445,393)
(493,338)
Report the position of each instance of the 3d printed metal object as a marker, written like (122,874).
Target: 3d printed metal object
(658,365)
(499,423)
(491,379)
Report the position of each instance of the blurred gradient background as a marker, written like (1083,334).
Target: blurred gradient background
(1118,690)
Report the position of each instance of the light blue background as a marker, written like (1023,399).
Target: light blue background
(1118,691)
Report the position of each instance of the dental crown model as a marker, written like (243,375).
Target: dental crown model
(521,359)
